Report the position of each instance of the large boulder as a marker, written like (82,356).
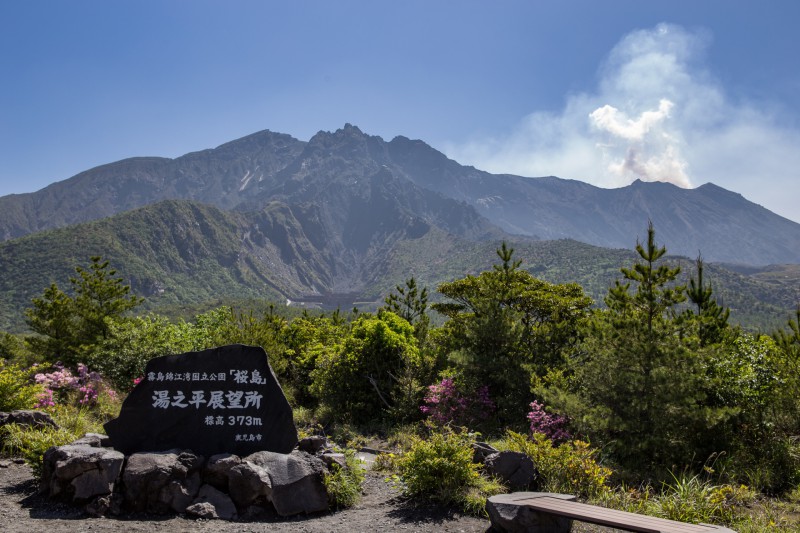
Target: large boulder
(508,516)
(212,503)
(79,473)
(515,469)
(217,470)
(28,418)
(296,481)
(162,482)
(249,483)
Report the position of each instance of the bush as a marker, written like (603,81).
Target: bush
(31,443)
(446,404)
(441,468)
(551,426)
(123,356)
(86,389)
(16,390)
(570,468)
(692,499)
(344,483)
(371,374)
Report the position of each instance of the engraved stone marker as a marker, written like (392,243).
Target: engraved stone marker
(220,400)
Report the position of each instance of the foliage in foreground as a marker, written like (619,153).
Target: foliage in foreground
(570,468)
(441,468)
(31,443)
(658,381)
(344,483)
(16,390)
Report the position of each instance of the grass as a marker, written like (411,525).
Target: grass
(31,443)
(344,483)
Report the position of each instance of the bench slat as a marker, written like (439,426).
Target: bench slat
(612,517)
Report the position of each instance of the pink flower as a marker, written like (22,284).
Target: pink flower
(45,399)
(444,404)
(551,426)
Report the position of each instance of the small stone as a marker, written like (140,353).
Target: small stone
(212,503)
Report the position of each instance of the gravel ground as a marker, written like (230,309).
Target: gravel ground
(382,508)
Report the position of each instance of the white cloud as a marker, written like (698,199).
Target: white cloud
(657,114)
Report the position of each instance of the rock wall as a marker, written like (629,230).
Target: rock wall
(226,486)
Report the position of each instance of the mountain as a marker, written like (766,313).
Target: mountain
(182,254)
(723,225)
(333,174)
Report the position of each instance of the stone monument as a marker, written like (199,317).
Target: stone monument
(221,400)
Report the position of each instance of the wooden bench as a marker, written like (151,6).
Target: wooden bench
(544,512)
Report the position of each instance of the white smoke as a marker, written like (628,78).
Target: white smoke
(652,153)
(656,114)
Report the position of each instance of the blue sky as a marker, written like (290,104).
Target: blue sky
(599,91)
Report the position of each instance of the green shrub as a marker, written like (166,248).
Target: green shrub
(441,468)
(16,390)
(31,443)
(692,499)
(344,483)
(371,374)
(131,343)
(570,468)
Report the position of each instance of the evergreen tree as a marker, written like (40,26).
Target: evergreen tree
(411,303)
(710,317)
(636,388)
(69,326)
(505,325)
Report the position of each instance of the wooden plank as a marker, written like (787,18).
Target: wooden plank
(612,517)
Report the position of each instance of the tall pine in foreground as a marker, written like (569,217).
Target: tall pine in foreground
(635,388)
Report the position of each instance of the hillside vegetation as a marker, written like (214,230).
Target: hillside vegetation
(179,254)
(657,390)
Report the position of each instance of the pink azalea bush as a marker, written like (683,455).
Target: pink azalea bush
(445,404)
(554,427)
(61,385)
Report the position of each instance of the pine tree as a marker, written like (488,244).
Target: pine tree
(636,388)
(711,318)
(411,303)
(505,325)
(68,326)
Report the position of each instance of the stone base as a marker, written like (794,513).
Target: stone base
(225,486)
(507,515)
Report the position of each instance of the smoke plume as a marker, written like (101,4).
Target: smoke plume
(657,113)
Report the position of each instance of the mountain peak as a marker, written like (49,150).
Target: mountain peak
(350,130)
(353,168)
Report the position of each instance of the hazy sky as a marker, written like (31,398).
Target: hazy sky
(600,91)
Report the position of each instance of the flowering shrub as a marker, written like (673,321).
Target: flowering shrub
(45,399)
(61,386)
(551,426)
(445,404)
